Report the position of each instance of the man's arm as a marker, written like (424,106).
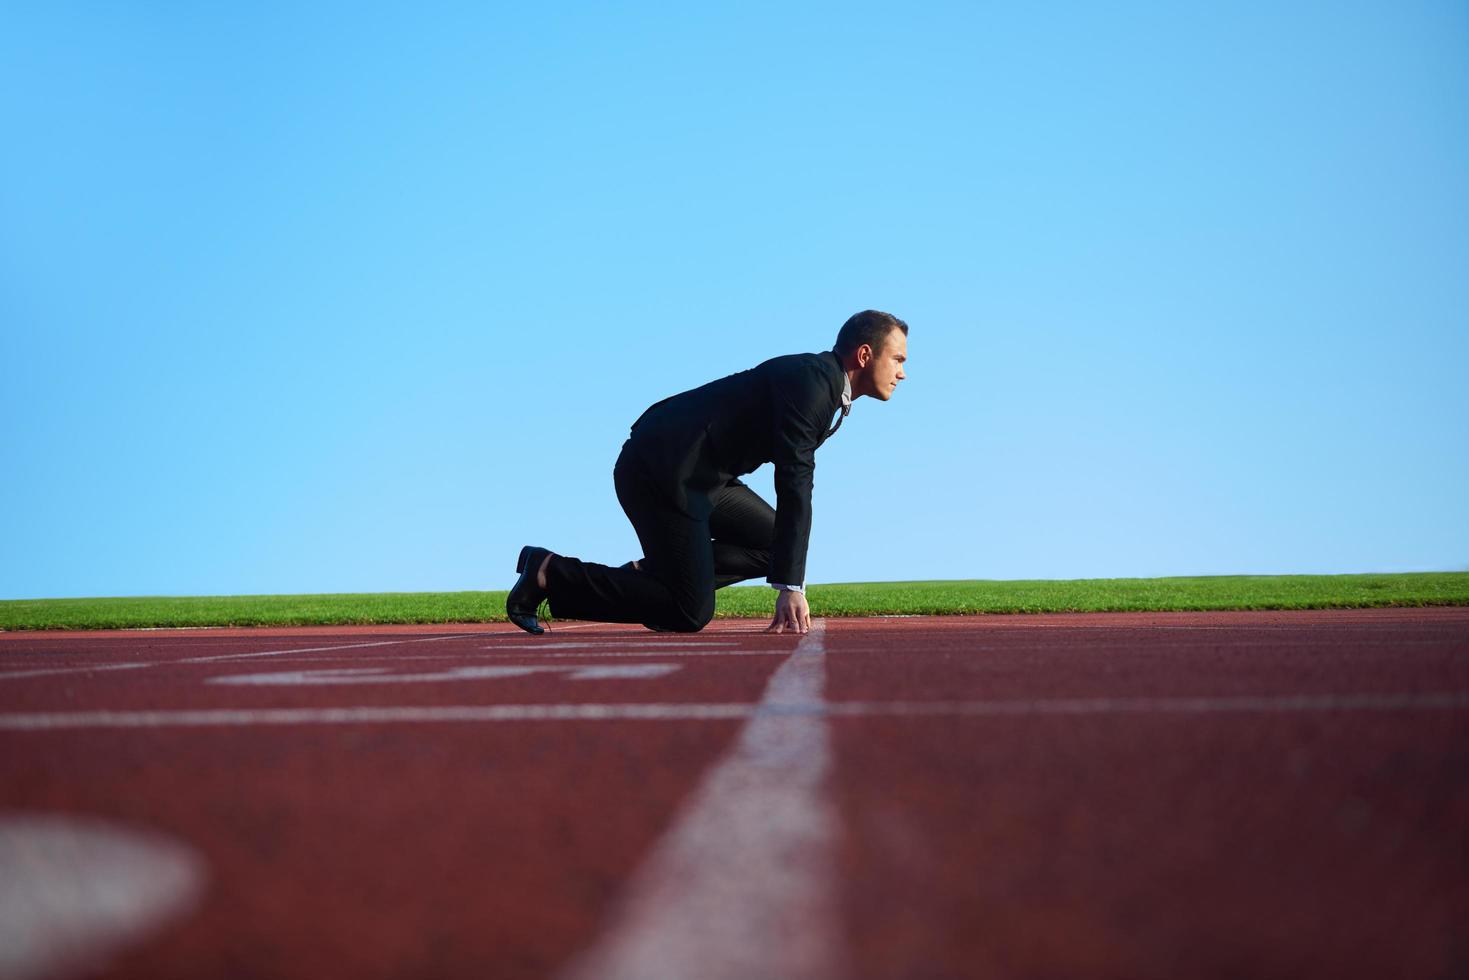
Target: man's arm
(801,409)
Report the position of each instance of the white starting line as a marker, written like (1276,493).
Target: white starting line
(743,883)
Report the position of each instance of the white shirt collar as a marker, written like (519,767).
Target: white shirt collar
(846,404)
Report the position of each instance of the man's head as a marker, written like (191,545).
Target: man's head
(873,347)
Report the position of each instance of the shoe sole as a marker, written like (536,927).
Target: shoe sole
(520,562)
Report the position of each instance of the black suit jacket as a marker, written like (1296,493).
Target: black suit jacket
(777,412)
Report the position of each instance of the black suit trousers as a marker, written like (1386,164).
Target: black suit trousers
(684,559)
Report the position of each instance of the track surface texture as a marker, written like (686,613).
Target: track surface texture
(1104,795)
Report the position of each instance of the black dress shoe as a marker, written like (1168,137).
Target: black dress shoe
(526,595)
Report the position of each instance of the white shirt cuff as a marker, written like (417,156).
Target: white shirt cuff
(787,588)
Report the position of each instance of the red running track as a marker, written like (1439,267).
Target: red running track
(1129,795)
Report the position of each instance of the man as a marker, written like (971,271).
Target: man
(700,527)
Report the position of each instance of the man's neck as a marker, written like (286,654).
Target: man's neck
(851,370)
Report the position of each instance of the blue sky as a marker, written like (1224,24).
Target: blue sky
(314,298)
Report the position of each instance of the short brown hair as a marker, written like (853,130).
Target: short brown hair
(869,327)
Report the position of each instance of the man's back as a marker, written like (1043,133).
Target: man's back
(778,411)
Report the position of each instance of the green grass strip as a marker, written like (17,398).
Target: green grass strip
(853,599)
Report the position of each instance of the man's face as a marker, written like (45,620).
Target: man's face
(885,369)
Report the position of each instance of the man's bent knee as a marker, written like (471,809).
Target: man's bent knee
(687,620)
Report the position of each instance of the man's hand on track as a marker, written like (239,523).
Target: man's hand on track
(791,613)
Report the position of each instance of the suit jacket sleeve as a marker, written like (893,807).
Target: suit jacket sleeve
(801,406)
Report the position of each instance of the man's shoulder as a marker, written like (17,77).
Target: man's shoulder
(819,375)
(823,363)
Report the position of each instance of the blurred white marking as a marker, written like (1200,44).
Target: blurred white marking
(358,658)
(742,884)
(244,717)
(53,671)
(669,652)
(381,675)
(340,646)
(75,891)
(606,644)
(214,717)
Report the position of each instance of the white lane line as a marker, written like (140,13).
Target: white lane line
(1281,627)
(659,652)
(1171,648)
(742,885)
(76,890)
(382,675)
(217,717)
(622,654)
(1174,705)
(595,645)
(241,717)
(450,636)
(52,671)
(340,646)
(640,647)
(673,653)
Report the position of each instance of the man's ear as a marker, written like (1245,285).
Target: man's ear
(864,354)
